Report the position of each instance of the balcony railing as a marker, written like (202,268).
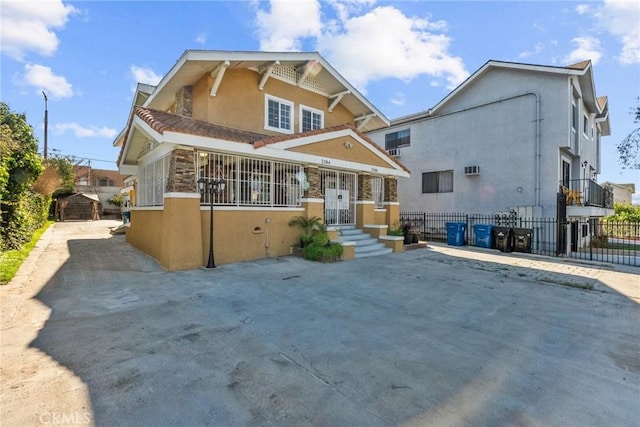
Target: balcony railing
(585,192)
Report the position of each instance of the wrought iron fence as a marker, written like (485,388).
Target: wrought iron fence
(594,239)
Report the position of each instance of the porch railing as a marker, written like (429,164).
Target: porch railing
(585,192)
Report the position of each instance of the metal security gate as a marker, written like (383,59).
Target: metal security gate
(339,191)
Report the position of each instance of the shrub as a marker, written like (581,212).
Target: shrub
(24,217)
(321,249)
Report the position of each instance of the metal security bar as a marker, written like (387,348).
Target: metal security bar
(377,189)
(152,182)
(251,181)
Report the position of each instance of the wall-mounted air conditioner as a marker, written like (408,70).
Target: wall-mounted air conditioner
(472,170)
(394,152)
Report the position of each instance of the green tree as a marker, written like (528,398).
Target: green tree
(22,211)
(629,148)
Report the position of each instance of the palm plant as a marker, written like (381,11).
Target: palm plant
(307,225)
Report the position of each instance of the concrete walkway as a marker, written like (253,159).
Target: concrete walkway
(94,332)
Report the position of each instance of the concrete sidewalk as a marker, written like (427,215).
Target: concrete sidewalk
(94,332)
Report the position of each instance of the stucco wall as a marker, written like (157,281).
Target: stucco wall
(240,104)
(246,235)
(499,137)
(143,232)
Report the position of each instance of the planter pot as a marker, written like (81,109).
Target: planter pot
(415,238)
(407,239)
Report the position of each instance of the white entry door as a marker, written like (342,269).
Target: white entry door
(339,190)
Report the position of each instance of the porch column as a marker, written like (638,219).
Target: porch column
(313,202)
(182,172)
(181,231)
(365,205)
(391,200)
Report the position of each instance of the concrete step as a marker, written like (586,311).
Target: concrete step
(384,251)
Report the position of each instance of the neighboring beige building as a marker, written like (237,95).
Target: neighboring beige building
(622,193)
(284,131)
(102,183)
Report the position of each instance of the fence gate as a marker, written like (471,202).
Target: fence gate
(339,191)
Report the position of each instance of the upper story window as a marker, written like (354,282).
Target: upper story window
(437,182)
(310,119)
(278,114)
(585,125)
(401,138)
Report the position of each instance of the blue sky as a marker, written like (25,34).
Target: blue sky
(405,56)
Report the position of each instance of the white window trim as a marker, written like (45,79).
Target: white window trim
(302,108)
(268,98)
(585,131)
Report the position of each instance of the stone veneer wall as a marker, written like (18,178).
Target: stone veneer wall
(182,172)
(313,176)
(184,101)
(364,187)
(391,189)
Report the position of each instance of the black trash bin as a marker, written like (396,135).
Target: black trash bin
(502,239)
(522,239)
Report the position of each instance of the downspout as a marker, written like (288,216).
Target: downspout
(538,154)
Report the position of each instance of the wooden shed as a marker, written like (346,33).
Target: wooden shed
(79,206)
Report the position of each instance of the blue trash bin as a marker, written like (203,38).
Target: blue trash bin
(484,235)
(455,233)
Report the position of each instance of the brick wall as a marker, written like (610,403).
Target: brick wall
(182,172)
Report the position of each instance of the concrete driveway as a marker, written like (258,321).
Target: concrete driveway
(94,332)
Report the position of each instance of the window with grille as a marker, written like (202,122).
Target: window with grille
(250,181)
(152,181)
(437,182)
(377,190)
(278,114)
(401,138)
(310,119)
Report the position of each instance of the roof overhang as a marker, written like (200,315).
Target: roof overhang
(141,132)
(193,64)
(584,75)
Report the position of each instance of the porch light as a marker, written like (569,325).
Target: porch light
(212,187)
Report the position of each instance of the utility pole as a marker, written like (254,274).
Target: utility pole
(46,124)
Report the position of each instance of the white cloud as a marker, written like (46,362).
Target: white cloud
(354,43)
(144,75)
(620,18)
(405,49)
(539,47)
(286,23)
(28,26)
(43,79)
(581,9)
(399,99)
(201,38)
(586,48)
(85,132)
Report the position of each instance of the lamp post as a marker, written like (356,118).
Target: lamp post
(46,123)
(211,187)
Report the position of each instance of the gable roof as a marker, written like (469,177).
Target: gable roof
(582,70)
(173,128)
(300,136)
(161,122)
(310,69)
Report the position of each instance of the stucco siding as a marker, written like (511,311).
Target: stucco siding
(240,104)
(491,124)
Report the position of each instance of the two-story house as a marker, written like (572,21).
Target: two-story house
(284,132)
(510,138)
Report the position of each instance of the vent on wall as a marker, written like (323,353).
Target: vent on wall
(472,170)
